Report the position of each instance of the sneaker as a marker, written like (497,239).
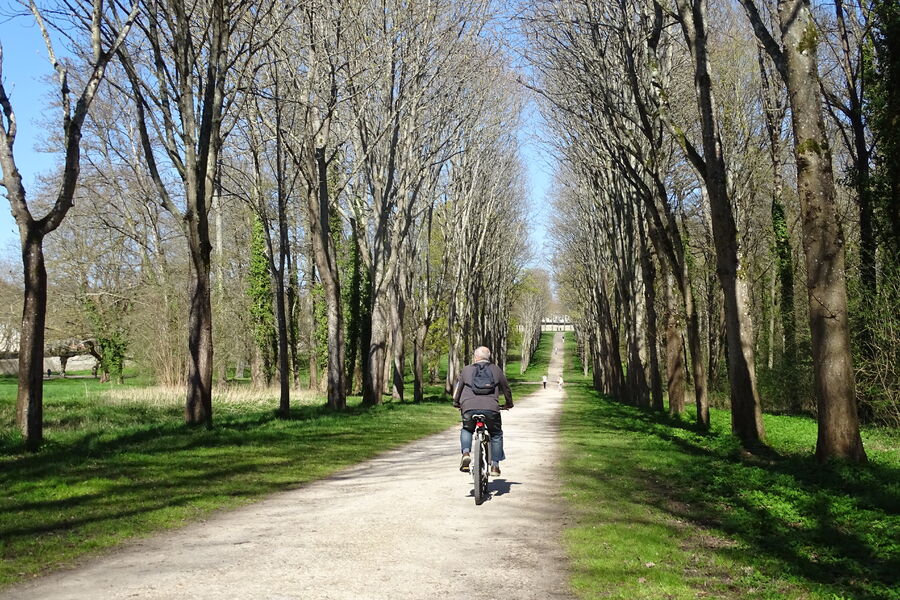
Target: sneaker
(464,463)
(495,471)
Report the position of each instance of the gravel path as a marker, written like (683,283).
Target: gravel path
(403,525)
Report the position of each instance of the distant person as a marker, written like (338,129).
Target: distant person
(559,384)
(477,391)
(49,372)
(544,381)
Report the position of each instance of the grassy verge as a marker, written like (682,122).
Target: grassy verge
(537,366)
(111,471)
(665,511)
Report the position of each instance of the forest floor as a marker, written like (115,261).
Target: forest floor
(403,525)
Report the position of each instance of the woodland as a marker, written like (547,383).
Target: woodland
(330,191)
(726,227)
(333,195)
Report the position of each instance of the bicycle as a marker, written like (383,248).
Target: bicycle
(481,458)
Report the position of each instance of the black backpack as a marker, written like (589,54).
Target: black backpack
(483,380)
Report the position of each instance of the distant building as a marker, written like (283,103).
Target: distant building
(557,323)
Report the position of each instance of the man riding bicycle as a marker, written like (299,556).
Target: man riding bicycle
(477,391)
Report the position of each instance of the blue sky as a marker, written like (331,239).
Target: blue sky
(25,68)
(25,73)
(539,166)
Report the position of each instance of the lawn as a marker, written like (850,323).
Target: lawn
(538,364)
(118,461)
(666,511)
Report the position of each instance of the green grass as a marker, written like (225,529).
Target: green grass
(538,364)
(108,473)
(119,463)
(666,511)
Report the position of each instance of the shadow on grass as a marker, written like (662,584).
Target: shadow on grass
(835,526)
(90,489)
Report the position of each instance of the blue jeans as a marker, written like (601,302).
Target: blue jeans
(494,426)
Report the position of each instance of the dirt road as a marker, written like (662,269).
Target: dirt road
(403,525)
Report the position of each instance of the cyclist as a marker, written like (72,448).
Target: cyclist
(477,391)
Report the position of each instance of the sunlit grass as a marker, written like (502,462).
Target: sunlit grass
(537,366)
(227,397)
(664,510)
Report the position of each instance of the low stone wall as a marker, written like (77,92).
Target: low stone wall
(83,362)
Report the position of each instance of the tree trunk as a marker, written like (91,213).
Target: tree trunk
(257,371)
(419,363)
(784,258)
(353,318)
(198,407)
(377,351)
(695,348)
(29,402)
(311,332)
(746,416)
(648,270)
(278,274)
(293,302)
(388,356)
(318,206)
(284,369)
(638,390)
(365,337)
(398,313)
(453,350)
(823,242)
(785,266)
(770,316)
(220,272)
(675,371)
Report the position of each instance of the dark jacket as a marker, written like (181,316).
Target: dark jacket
(465,399)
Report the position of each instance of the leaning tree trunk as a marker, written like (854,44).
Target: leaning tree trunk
(823,242)
(746,415)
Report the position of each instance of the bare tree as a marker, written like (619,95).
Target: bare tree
(185,72)
(795,59)
(29,403)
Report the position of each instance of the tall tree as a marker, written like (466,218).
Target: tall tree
(29,401)
(261,307)
(182,92)
(746,415)
(795,59)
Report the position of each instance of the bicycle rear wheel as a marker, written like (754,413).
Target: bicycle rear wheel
(476,467)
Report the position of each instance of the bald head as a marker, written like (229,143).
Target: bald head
(482,353)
